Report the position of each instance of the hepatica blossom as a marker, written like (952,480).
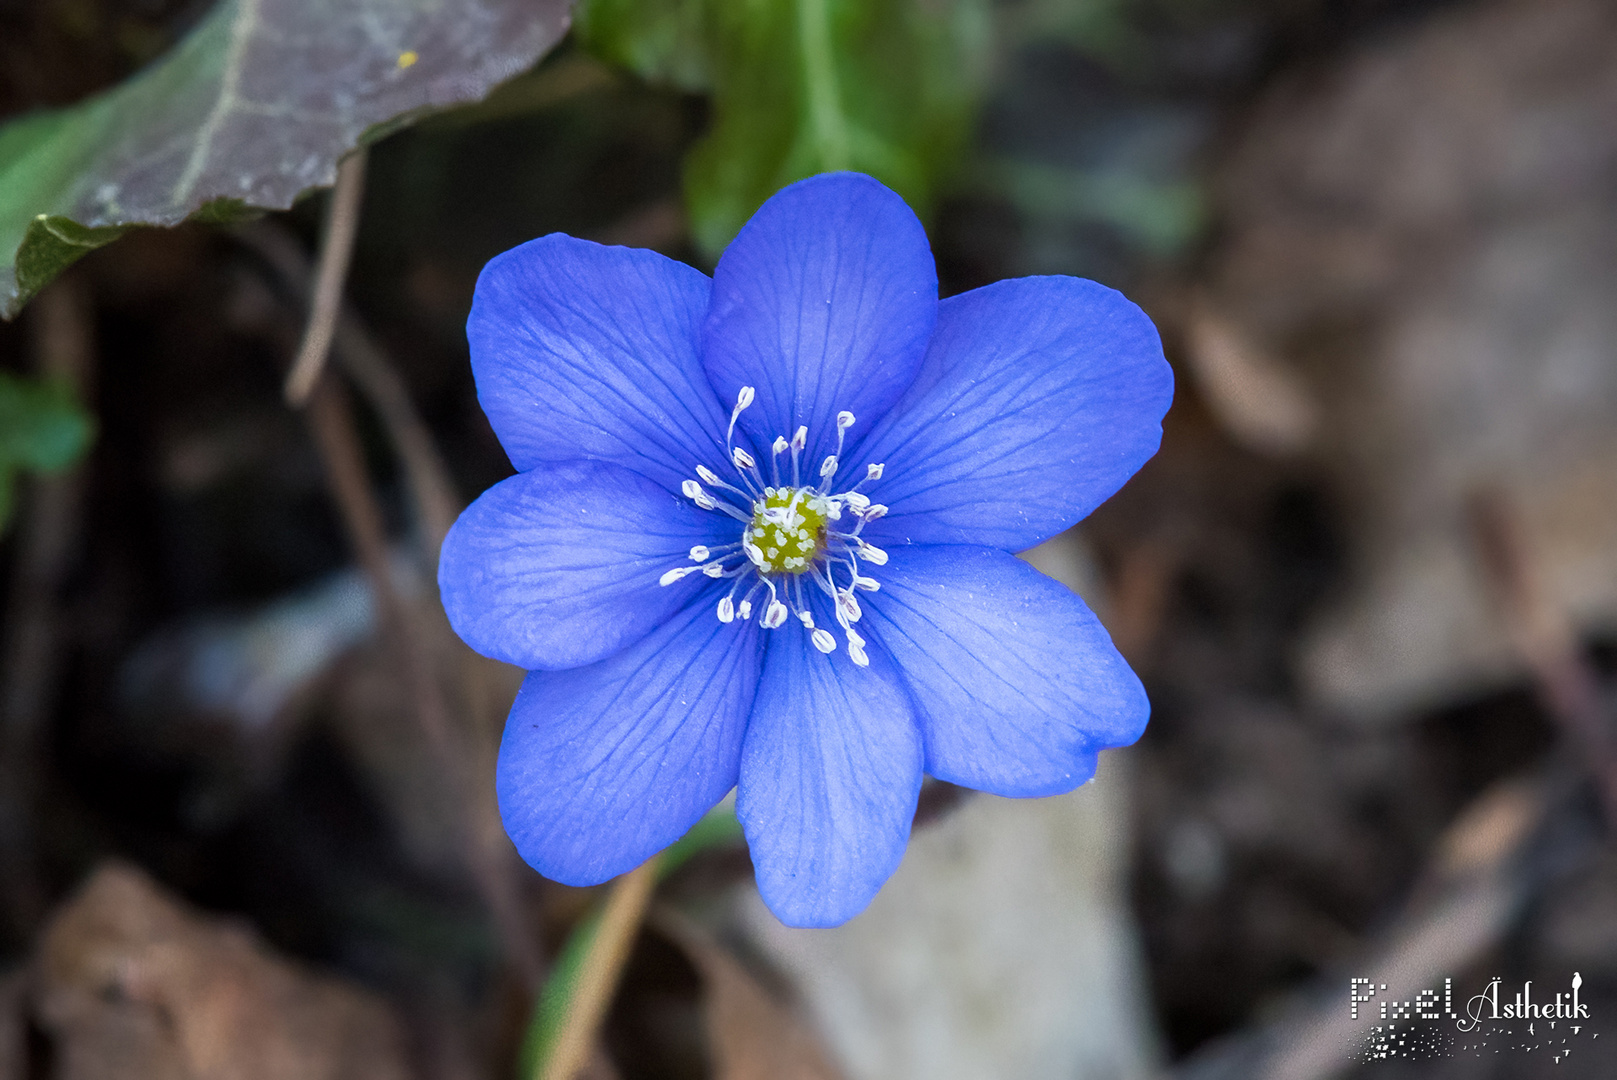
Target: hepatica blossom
(760,538)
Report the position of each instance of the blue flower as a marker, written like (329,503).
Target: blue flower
(760,538)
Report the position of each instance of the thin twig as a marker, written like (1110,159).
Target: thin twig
(431,490)
(342,225)
(331,424)
(598,980)
(62,320)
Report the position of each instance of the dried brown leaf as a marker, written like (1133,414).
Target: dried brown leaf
(131,983)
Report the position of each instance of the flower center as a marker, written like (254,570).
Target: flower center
(792,537)
(788,529)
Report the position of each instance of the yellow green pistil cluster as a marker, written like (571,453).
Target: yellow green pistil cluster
(787,530)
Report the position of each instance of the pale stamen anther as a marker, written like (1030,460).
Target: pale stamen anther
(774,615)
(824,641)
(671,576)
(870,553)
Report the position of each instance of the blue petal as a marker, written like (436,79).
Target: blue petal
(585,351)
(559,566)
(830,772)
(604,766)
(1039,397)
(823,302)
(1015,681)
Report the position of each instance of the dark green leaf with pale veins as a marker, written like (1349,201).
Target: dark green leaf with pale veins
(254,107)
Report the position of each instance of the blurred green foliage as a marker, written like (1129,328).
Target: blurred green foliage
(42,428)
(798,87)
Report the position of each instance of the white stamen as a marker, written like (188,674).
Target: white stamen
(856,647)
(778,549)
(872,554)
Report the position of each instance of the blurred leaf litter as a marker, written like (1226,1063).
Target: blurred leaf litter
(254,107)
(888,87)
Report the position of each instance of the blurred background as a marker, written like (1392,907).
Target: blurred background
(1370,581)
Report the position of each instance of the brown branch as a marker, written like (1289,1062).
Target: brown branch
(436,502)
(336,249)
(487,853)
(1542,632)
(1467,899)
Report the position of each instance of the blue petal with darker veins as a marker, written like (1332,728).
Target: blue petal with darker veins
(559,566)
(830,773)
(587,351)
(1038,398)
(823,302)
(1015,682)
(603,766)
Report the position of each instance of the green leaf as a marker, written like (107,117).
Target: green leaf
(717,828)
(254,107)
(799,87)
(42,426)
